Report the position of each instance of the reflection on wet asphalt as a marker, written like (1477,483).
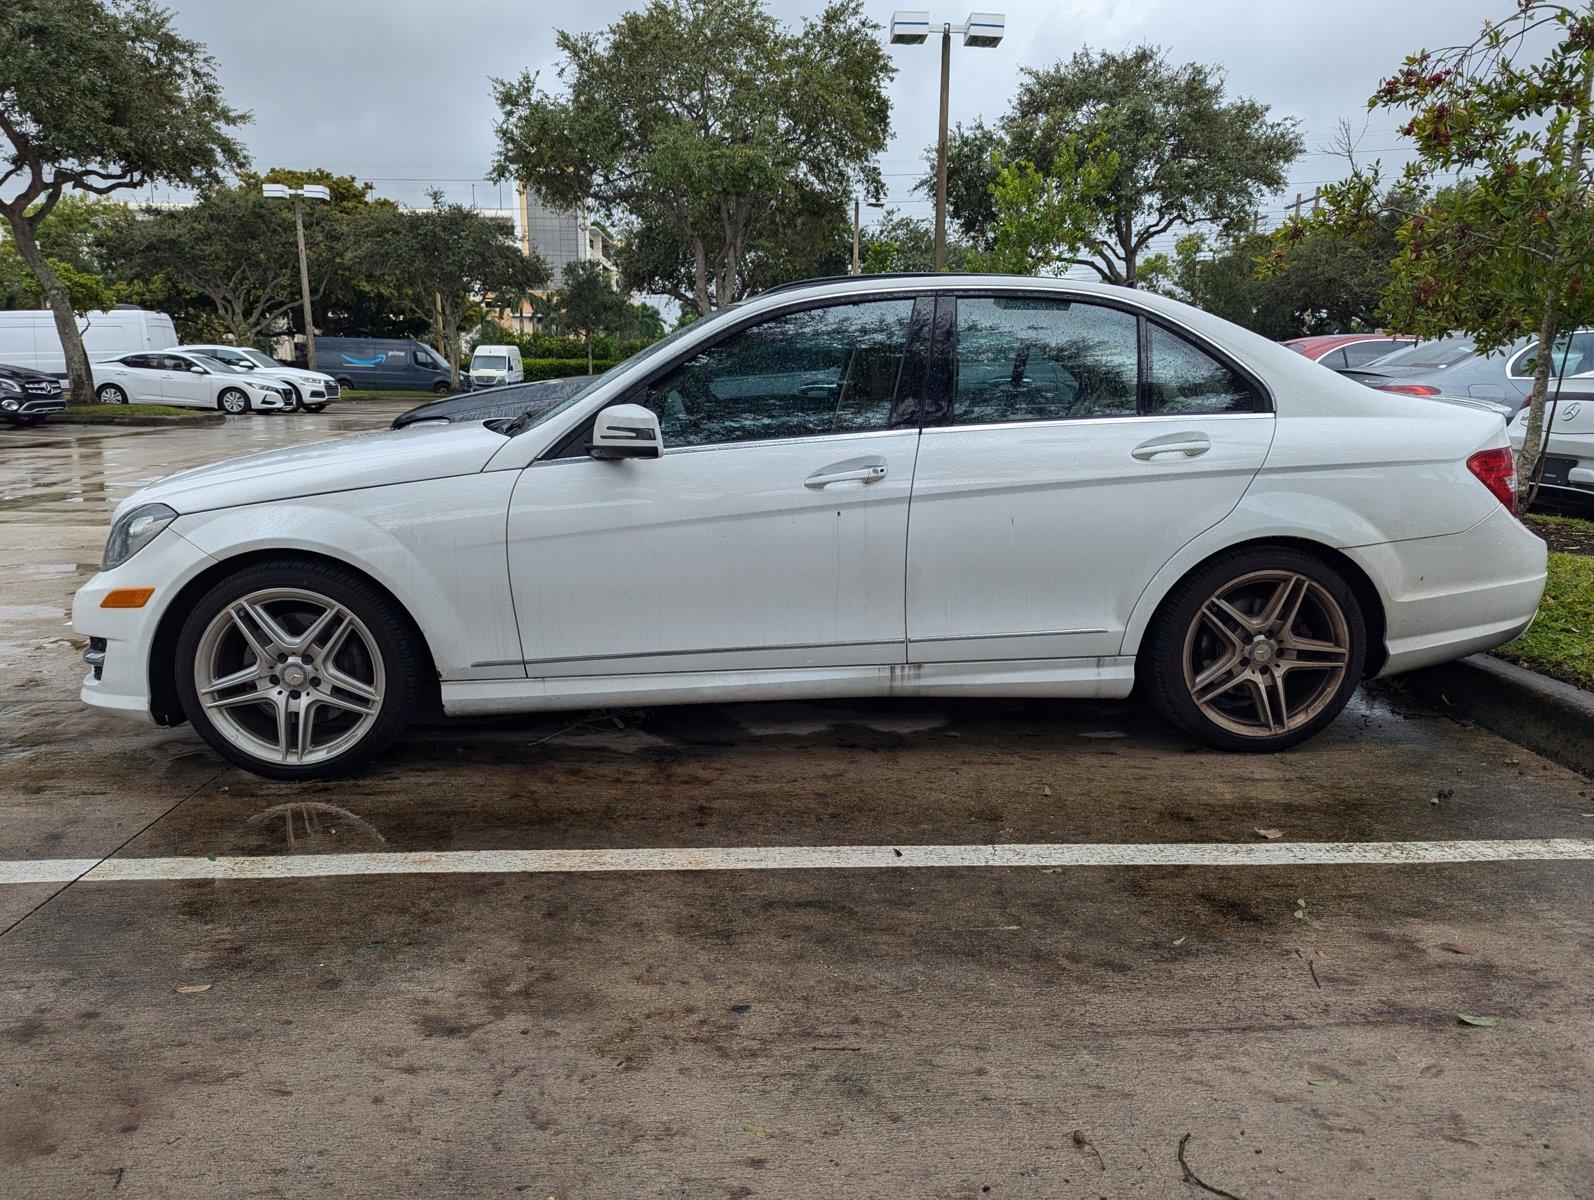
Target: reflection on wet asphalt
(870,1033)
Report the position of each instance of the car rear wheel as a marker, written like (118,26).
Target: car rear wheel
(233,401)
(441,388)
(1257,650)
(109,393)
(297,670)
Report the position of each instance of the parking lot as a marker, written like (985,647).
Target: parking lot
(792,1019)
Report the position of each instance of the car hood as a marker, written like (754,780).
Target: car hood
(345,464)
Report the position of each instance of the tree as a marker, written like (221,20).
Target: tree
(442,263)
(234,247)
(1504,252)
(900,243)
(72,240)
(589,303)
(702,126)
(1128,148)
(100,96)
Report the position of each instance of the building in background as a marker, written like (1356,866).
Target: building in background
(560,236)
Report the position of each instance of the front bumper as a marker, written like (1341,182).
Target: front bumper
(24,407)
(121,639)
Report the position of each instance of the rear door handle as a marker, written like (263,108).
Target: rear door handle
(864,470)
(1187,444)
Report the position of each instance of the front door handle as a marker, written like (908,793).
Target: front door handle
(864,470)
(1187,444)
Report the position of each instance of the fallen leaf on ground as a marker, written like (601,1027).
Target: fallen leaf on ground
(1046,791)
(757,1131)
(1180,942)
(1454,948)
(188,989)
(1051,870)
(1269,834)
(1482,1022)
(1324,1082)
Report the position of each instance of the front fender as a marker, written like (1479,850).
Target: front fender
(437,545)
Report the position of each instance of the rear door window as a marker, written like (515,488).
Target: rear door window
(1186,379)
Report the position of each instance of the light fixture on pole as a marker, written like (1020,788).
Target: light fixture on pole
(310,191)
(857,231)
(981,30)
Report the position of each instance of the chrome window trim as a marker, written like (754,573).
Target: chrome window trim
(1074,422)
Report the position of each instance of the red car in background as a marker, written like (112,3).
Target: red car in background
(1346,351)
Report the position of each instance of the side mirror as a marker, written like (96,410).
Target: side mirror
(626,431)
(197,370)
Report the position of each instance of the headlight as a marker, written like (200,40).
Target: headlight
(133,532)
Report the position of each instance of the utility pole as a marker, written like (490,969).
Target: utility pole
(857,235)
(311,191)
(913,29)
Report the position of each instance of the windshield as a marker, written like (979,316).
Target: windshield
(215,364)
(489,362)
(531,420)
(1443,352)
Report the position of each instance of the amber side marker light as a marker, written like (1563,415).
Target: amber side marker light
(127,597)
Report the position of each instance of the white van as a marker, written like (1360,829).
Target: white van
(494,365)
(28,337)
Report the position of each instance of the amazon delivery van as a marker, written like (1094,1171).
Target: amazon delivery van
(28,337)
(388,364)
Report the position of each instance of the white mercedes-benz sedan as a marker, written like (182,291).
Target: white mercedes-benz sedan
(882,486)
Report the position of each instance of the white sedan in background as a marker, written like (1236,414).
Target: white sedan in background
(1105,486)
(1568,446)
(309,390)
(186,381)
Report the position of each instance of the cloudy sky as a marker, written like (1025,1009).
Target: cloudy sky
(396,91)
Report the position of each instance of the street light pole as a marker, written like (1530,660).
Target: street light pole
(312,191)
(940,149)
(304,284)
(913,29)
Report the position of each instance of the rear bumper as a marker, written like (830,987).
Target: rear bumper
(1447,597)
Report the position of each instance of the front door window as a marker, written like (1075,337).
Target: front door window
(805,374)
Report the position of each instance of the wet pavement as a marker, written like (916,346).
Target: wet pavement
(957,1032)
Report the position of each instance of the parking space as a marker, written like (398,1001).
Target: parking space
(762,1014)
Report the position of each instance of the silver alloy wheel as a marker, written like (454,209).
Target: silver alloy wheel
(1266,653)
(289,675)
(234,402)
(111,394)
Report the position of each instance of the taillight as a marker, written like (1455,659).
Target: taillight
(1497,470)
(1409,389)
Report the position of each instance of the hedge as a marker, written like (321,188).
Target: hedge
(559,368)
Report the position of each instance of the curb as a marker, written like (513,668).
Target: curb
(1547,716)
(146,421)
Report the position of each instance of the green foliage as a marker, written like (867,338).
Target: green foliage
(589,303)
(1506,251)
(710,132)
(563,368)
(902,243)
(1042,221)
(1561,642)
(235,248)
(99,96)
(1129,147)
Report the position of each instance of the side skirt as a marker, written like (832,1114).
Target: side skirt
(1082,678)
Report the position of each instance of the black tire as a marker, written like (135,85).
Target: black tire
(345,382)
(442,388)
(314,407)
(1176,638)
(233,402)
(110,393)
(37,420)
(295,398)
(393,638)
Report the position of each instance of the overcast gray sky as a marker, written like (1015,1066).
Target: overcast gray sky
(396,92)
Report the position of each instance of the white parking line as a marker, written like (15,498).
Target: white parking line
(786,858)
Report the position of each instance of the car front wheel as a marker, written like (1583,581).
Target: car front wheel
(233,401)
(1257,650)
(111,394)
(296,670)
